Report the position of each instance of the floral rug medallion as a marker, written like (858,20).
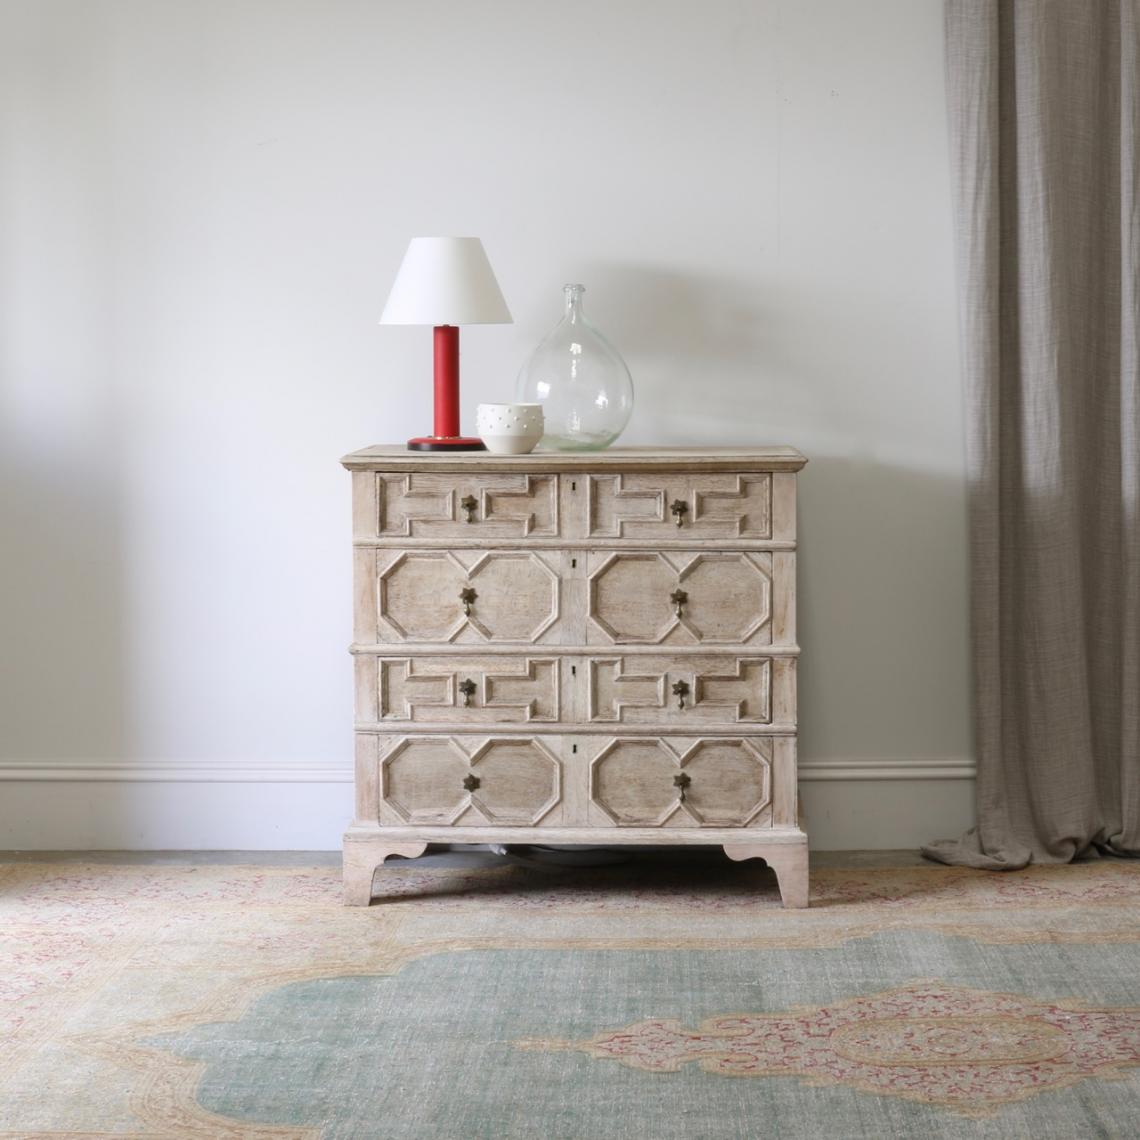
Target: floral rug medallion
(969,1050)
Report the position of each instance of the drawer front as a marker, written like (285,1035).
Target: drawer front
(653,781)
(689,598)
(470,781)
(596,781)
(690,690)
(460,596)
(466,691)
(478,507)
(663,508)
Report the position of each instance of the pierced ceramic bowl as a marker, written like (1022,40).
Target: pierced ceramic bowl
(509,429)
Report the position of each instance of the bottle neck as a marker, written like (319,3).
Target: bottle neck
(573,295)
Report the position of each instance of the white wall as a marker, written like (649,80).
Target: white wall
(203,204)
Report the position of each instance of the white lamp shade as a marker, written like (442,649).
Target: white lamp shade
(445,281)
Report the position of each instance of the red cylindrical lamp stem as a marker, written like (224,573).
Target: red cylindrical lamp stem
(445,436)
(446,345)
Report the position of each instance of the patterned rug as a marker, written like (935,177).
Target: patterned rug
(667,997)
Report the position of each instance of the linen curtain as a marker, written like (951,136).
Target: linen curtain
(1043,99)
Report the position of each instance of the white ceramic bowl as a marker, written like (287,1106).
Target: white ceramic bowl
(509,429)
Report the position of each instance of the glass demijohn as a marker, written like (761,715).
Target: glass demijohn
(581,382)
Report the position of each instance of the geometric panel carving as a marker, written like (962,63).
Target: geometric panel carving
(632,781)
(730,781)
(617,503)
(410,688)
(512,596)
(629,597)
(508,780)
(681,598)
(744,689)
(519,781)
(639,689)
(621,688)
(422,780)
(418,595)
(740,505)
(715,783)
(429,505)
(640,506)
(730,597)
(469,690)
(518,596)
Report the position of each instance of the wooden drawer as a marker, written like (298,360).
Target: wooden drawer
(459,596)
(589,781)
(678,691)
(465,781)
(690,597)
(459,506)
(464,691)
(668,782)
(655,507)
(690,690)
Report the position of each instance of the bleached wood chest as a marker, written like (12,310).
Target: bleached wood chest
(595,648)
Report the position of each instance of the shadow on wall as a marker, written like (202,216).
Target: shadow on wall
(62,651)
(676,332)
(681,316)
(884,561)
(714,358)
(884,613)
(61,606)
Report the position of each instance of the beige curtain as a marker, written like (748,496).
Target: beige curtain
(1044,99)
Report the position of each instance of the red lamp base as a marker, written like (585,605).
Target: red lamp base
(446,443)
(446,423)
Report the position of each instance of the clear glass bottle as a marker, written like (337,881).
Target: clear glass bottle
(581,382)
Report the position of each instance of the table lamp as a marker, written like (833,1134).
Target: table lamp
(445,282)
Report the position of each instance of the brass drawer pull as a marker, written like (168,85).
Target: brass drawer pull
(467,688)
(470,783)
(682,780)
(679,508)
(467,596)
(468,503)
(678,598)
(680,691)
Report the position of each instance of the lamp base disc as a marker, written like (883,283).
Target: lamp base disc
(446,443)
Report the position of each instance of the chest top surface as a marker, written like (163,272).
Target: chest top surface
(396,457)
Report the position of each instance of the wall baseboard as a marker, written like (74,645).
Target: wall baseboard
(313,771)
(177,771)
(99,805)
(890,768)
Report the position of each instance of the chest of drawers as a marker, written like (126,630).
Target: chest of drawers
(575,648)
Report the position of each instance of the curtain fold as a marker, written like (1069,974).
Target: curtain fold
(1043,100)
